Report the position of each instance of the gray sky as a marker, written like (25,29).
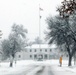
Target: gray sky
(26,12)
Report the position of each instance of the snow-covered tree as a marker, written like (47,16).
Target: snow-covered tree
(15,43)
(38,40)
(61,34)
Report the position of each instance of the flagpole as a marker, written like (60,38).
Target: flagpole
(39,27)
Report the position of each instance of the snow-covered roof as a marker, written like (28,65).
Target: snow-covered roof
(42,46)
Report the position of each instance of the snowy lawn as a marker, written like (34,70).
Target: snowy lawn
(17,68)
(65,67)
(25,65)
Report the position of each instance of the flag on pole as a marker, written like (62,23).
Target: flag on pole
(41,9)
(40,17)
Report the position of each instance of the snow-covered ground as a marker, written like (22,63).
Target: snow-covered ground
(28,65)
(64,70)
(17,68)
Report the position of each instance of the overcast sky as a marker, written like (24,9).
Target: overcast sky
(26,12)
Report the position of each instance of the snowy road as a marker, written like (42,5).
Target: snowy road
(39,70)
(46,70)
(36,70)
(43,70)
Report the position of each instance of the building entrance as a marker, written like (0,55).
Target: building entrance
(40,57)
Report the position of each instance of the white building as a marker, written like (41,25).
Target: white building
(35,52)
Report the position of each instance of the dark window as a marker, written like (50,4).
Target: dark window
(35,56)
(50,50)
(40,50)
(30,56)
(19,56)
(30,50)
(35,50)
(45,50)
(45,56)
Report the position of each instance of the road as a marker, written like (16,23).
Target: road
(47,70)
(36,70)
(39,70)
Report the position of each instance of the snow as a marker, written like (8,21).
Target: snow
(25,65)
(42,46)
(16,69)
(64,70)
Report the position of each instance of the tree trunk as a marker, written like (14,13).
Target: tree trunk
(11,64)
(70,60)
(75,58)
(11,61)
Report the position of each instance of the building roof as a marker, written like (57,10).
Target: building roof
(42,46)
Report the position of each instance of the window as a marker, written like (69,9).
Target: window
(35,56)
(40,50)
(19,56)
(30,50)
(45,56)
(45,50)
(35,50)
(50,50)
(30,56)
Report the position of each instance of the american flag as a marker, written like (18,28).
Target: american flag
(41,9)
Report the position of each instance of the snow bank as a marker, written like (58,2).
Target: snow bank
(17,68)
